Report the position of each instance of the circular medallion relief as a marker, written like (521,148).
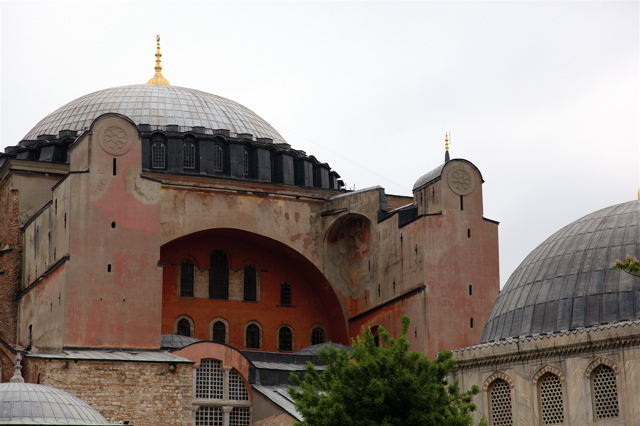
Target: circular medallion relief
(460,181)
(114,140)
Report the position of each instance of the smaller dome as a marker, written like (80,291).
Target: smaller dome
(28,403)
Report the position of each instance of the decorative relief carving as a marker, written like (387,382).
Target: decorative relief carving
(460,181)
(601,361)
(494,376)
(114,141)
(548,369)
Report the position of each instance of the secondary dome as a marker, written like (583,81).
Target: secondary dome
(567,281)
(31,404)
(158,106)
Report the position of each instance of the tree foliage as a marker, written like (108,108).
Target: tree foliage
(630,265)
(381,385)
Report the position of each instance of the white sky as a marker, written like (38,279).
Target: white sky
(542,96)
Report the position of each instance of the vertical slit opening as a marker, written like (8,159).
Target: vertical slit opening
(461,203)
(114,166)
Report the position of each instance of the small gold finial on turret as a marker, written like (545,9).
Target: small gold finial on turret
(158,78)
(446,141)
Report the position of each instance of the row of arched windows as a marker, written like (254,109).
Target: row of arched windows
(219,281)
(252,333)
(551,400)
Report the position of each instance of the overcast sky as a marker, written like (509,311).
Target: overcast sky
(542,96)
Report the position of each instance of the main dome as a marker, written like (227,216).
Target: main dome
(158,106)
(567,281)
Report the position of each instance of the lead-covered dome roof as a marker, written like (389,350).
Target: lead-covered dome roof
(158,106)
(31,404)
(567,281)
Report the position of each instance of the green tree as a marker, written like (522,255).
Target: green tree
(630,265)
(381,385)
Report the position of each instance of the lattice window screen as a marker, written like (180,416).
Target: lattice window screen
(209,416)
(551,404)
(237,388)
(209,379)
(605,393)
(500,400)
(240,417)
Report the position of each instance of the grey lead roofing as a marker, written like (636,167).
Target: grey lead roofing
(567,281)
(158,106)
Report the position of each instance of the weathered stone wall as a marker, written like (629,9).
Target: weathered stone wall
(10,263)
(144,393)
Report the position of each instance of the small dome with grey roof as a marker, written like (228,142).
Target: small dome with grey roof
(567,281)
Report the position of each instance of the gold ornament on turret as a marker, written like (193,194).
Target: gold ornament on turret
(158,78)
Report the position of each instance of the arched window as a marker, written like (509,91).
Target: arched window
(246,162)
(158,152)
(250,293)
(219,276)
(214,391)
(218,159)
(285,339)
(500,403)
(210,379)
(604,392)
(237,388)
(189,155)
(219,332)
(184,327)
(252,337)
(318,336)
(285,294)
(551,399)
(186,279)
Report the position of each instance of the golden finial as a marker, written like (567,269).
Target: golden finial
(158,78)
(446,141)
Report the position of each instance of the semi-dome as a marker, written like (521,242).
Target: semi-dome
(31,404)
(157,106)
(567,281)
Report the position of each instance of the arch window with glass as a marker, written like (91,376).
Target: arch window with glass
(252,336)
(500,403)
(551,399)
(246,162)
(604,393)
(186,278)
(158,152)
(219,332)
(285,339)
(318,336)
(184,327)
(221,395)
(189,154)
(285,294)
(218,159)
(219,276)
(250,284)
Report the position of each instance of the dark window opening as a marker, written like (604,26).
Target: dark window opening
(246,163)
(113,224)
(114,166)
(318,336)
(468,233)
(253,337)
(219,332)
(219,276)
(285,294)
(470,289)
(186,278)
(184,327)
(188,155)
(285,339)
(250,293)
(109,267)
(158,153)
(470,322)
(376,335)
(461,203)
(219,159)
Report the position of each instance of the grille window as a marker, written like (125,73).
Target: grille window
(237,388)
(285,339)
(209,416)
(252,337)
(219,276)
(604,391)
(209,379)
(186,279)
(246,162)
(189,155)
(250,284)
(219,159)
(317,336)
(219,332)
(184,327)
(551,404)
(240,417)
(500,403)
(285,294)
(158,155)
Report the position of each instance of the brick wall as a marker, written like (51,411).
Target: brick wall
(145,394)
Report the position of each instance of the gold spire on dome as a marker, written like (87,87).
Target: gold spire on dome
(446,141)
(158,78)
